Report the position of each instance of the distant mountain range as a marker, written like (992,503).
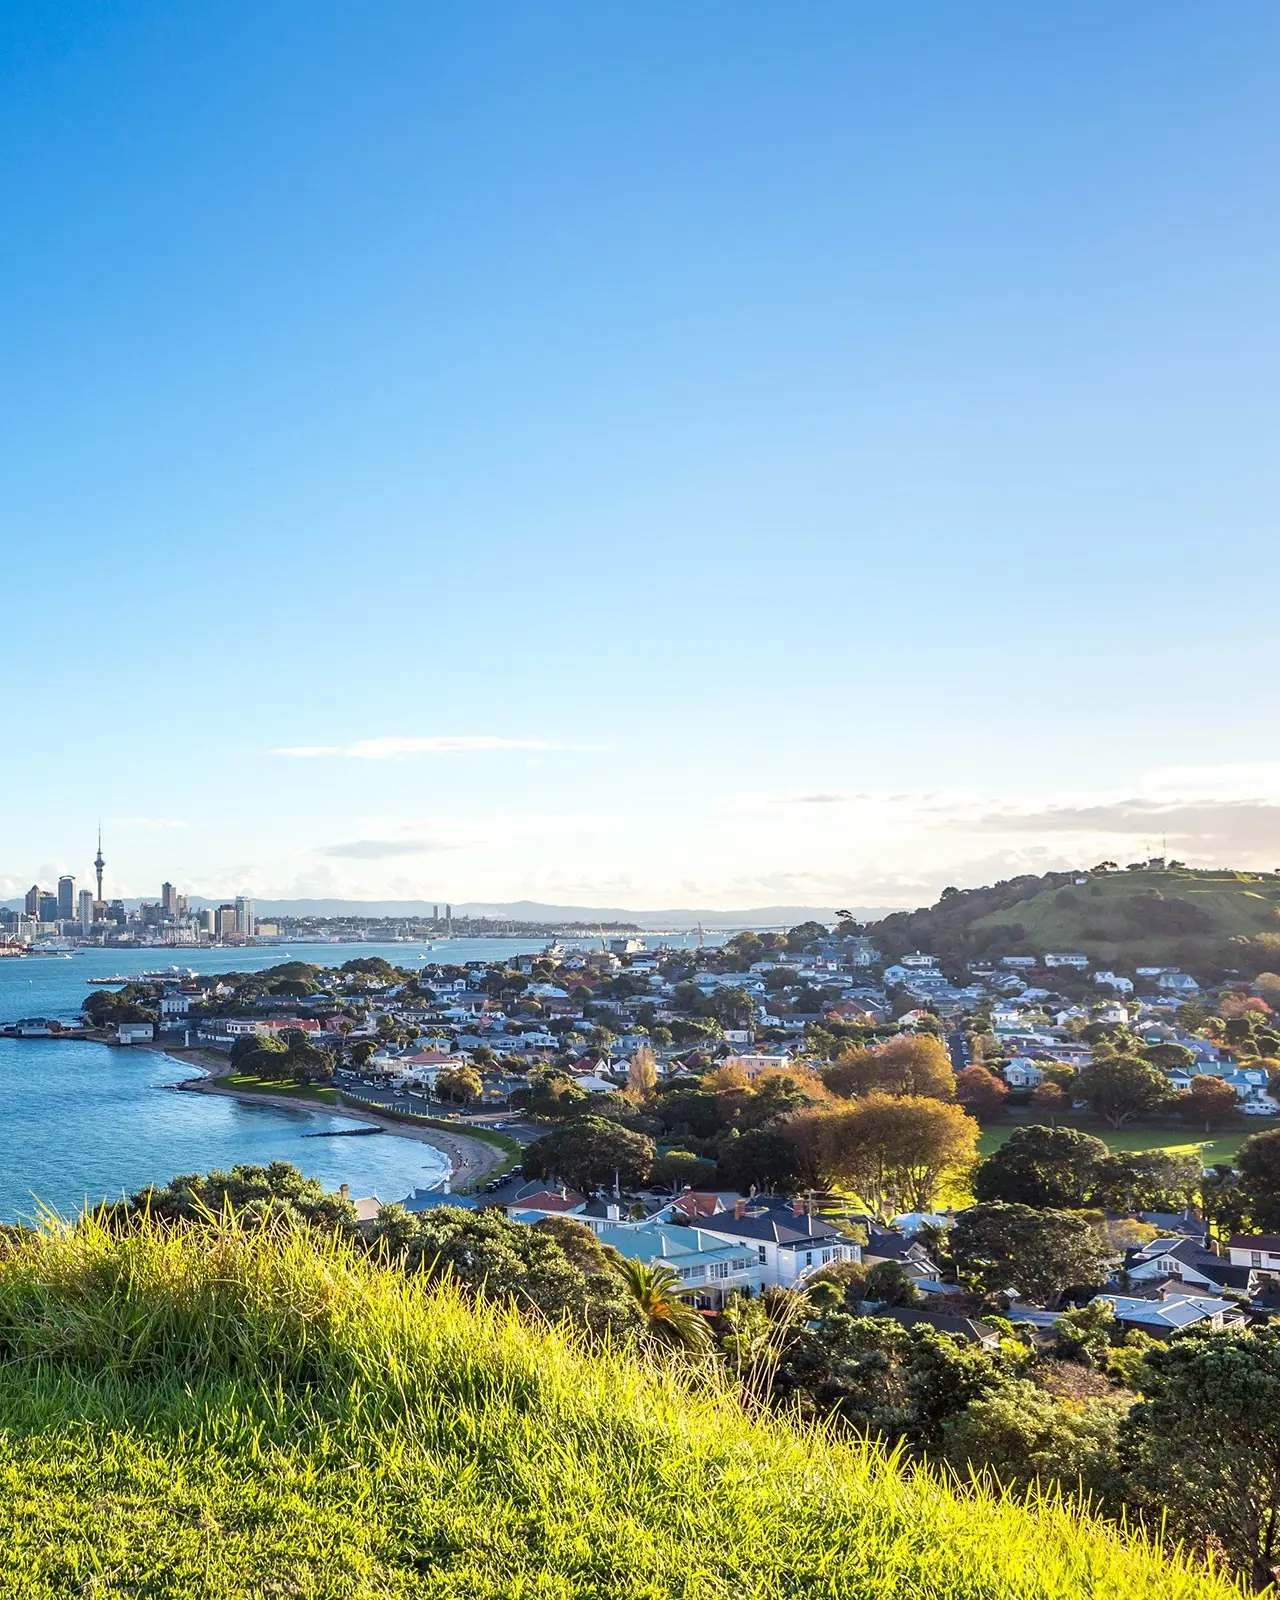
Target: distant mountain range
(536,911)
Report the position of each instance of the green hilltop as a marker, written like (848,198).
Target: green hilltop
(1155,915)
(236,1412)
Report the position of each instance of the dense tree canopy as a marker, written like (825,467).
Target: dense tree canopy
(894,1152)
(1039,1166)
(911,1064)
(1041,1253)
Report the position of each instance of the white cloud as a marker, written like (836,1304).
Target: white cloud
(392,747)
(382,849)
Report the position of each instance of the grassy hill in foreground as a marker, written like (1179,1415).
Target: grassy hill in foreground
(235,1415)
(1178,915)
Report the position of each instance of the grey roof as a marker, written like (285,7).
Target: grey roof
(942,1322)
(782,1228)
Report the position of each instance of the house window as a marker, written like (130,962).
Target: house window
(719,1269)
(764,1254)
(1255,1258)
(808,1258)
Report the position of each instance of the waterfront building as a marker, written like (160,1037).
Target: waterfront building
(31,905)
(169,898)
(84,909)
(244,915)
(66,898)
(225,923)
(48,906)
(208,921)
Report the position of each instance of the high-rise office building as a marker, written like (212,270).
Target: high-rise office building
(435,913)
(169,899)
(225,924)
(48,906)
(209,921)
(244,914)
(31,905)
(66,898)
(85,910)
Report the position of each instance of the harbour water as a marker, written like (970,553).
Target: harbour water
(81,1121)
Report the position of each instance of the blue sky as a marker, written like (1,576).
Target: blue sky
(667,454)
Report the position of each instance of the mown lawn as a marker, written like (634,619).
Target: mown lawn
(294,1091)
(1171,1136)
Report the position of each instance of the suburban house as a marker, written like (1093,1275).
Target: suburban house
(1183,1260)
(1023,1073)
(710,1268)
(1066,958)
(886,1244)
(1165,1317)
(790,1245)
(1259,1252)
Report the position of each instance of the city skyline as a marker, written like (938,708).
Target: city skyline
(683,457)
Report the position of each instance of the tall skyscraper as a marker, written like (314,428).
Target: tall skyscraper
(99,863)
(226,921)
(85,908)
(169,899)
(31,905)
(48,906)
(66,898)
(244,914)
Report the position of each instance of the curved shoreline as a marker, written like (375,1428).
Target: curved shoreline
(471,1160)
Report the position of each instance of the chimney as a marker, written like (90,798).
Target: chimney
(345,1191)
(613,1213)
(739,1210)
(797,1205)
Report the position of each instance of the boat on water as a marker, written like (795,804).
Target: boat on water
(554,951)
(118,979)
(167,975)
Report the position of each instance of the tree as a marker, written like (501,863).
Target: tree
(503,1261)
(1050,1099)
(1039,1166)
(1209,1103)
(1040,1253)
(1204,1443)
(681,1169)
(1119,1086)
(1087,1333)
(980,1092)
(895,1152)
(278,1190)
(732,1008)
(766,1160)
(249,1043)
(886,1381)
(1258,1161)
(461,1085)
(655,1292)
(591,1153)
(642,1075)
(914,1064)
(1146,1180)
(1024,1438)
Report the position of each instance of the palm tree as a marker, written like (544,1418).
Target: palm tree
(656,1292)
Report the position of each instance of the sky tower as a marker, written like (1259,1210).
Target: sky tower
(98,862)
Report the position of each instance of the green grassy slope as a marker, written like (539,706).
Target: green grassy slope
(238,1416)
(1097,917)
(1136,917)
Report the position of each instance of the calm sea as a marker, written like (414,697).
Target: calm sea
(84,1121)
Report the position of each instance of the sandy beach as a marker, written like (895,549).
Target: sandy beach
(471,1160)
